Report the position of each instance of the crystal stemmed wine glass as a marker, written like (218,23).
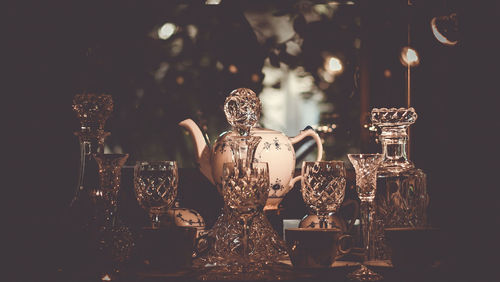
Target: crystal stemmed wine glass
(323,187)
(366,166)
(245,190)
(155,184)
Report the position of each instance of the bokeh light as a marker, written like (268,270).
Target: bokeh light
(212,2)
(232,69)
(445,29)
(409,57)
(387,73)
(333,65)
(166,31)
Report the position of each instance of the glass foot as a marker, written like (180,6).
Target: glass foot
(363,273)
(248,272)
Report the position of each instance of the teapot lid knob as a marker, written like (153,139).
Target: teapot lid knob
(242,108)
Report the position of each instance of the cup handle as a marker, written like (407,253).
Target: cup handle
(201,245)
(342,237)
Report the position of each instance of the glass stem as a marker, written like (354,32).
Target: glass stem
(245,236)
(84,152)
(155,220)
(368,224)
(323,220)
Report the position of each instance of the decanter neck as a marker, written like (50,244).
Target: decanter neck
(243,149)
(394,140)
(92,141)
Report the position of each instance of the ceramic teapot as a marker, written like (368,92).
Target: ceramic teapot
(184,217)
(274,148)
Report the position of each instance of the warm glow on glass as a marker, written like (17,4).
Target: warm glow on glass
(106,277)
(166,30)
(409,57)
(333,65)
(212,2)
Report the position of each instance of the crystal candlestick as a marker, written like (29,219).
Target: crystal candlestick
(366,166)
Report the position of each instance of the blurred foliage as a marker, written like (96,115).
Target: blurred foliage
(156,83)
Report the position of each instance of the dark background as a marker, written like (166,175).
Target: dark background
(46,63)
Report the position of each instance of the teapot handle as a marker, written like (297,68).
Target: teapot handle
(309,132)
(303,134)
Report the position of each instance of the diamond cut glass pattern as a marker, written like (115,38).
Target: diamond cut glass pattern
(245,189)
(366,166)
(401,198)
(242,109)
(92,110)
(155,186)
(323,186)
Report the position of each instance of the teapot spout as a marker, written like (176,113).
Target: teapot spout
(202,149)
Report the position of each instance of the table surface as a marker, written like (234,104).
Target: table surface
(282,271)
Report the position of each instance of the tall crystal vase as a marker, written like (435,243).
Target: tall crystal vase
(114,238)
(401,199)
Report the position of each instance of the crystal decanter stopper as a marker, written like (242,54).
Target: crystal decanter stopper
(242,108)
(401,199)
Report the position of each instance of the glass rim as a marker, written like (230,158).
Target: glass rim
(315,162)
(365,154)
(253,163)
(154,162)
(139,164)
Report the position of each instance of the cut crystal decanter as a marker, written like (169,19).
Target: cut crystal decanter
(401,199)
(92,110)
(242,245)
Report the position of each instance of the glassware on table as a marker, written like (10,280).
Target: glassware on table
(115,239)
(401,199)
(155,185)
(245,190)
(92,111)
(243,244)
(366,166)
(323,187)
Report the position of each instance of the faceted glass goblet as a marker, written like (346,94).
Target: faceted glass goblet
(323,187)
(155,185)
(366,166)
(245,190)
